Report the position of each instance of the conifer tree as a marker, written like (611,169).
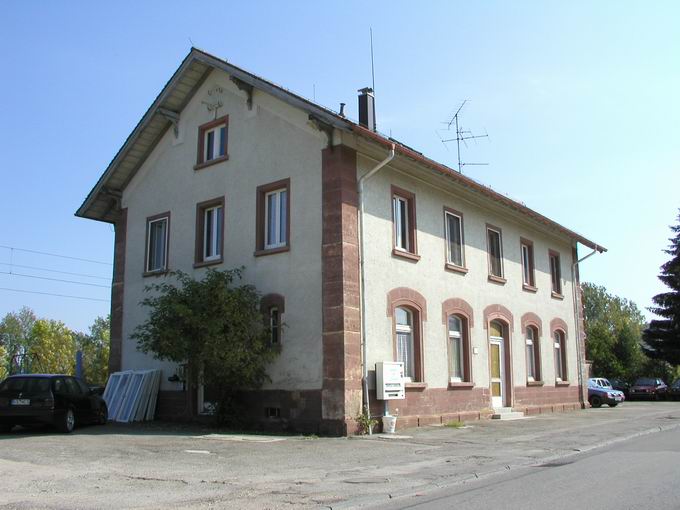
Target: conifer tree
(662,337)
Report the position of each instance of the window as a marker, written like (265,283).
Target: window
(209,232)
(157,228)
(454,238)
(533,354)
(495,248)
(273,217)
(212,142)
(560,356)
(404,219)
(272,307)
(275,325)
(72,386)
(528,280)
(405,344)
(555,273)
(459,370)
(401,227)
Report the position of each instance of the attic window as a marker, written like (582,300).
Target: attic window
(212,142)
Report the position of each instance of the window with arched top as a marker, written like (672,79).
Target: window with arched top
(560,356)
(405,341)
(272,307)
(458,348)
(533,353)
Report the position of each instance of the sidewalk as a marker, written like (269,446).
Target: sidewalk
(141,467)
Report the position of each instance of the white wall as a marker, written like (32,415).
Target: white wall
(428,276)
(268,143)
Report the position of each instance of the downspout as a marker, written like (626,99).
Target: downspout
(579,340)
(362,293)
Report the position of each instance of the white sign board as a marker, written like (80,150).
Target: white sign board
(389,378)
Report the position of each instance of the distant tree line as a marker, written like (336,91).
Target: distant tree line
(614,328)
(620,344)
(31,344)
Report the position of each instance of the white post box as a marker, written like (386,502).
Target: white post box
(389,378)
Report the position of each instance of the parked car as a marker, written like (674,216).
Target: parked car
(674,390)
(59,400)
(621,385)
(600,392)
(648,388)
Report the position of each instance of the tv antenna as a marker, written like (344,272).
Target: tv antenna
(462,135)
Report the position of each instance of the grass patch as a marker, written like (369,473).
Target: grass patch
(455,424)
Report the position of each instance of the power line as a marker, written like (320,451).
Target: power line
(56,279)
(56,295)
(56,255)
(55,271)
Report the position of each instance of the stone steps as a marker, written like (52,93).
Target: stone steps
(506,413)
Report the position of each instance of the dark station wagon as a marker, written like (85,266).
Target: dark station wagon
(59,400)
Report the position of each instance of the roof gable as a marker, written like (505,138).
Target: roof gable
(101,202)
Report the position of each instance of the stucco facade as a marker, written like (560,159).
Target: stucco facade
(316,381)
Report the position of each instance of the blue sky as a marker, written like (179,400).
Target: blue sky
(580,100)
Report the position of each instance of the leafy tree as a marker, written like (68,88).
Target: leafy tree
(16,333)
(95,348)
(52,349)
(215,327)
(4,363)
(613,333)
(662,337)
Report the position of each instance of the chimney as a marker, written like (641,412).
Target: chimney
(367,108)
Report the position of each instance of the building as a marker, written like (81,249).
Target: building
(476,293)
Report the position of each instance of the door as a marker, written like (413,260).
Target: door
(497,372)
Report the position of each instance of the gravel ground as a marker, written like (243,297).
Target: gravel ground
(159,465)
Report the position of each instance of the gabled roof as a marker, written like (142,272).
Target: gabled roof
(179,90)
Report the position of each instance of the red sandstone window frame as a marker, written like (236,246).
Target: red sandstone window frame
(268,304)
(416,331)
(559,337)
(493,276)
(466,363)
(449,263)
(410,250)
(203,129)
(536,343)
(555,274)
(261,219)
(199,251)
(526,254)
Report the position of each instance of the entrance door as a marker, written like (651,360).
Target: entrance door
(497,371)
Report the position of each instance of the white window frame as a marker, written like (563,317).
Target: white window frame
(215,234)
(449,257)
(280,237)
(218,139)
(531,362)
(558,340)
(402,244)
(527,266)
(500,250)
(555,272)
(164,265)
(406,329)
(456,336)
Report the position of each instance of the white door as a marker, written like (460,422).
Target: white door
(497,371)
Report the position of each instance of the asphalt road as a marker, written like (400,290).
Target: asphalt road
(642,473)
(488,464)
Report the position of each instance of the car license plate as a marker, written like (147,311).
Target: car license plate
(20,402)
